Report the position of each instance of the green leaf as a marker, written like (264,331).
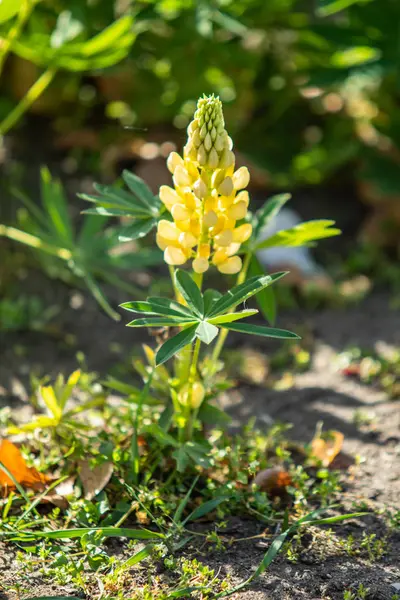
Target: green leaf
(56,206)
(205,508)
(69,534)
(54,598)
(162,436)
(141,190)
(211,415)
(160,322)
(357,55)
(138,557)
(210,297)
(8,9)
(190,291)
(182,505)
(235,316)
(167,302)
(268,212)
(260,330)
(242,292)
(182,459)
(153,308)
(206,332)
(301,234)
(137,230)
(265,298)
(174,344)
(330,7)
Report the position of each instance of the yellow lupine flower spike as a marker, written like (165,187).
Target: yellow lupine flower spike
(208,197)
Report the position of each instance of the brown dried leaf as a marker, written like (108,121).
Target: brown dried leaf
(274,481)
(12,459)
(94,480)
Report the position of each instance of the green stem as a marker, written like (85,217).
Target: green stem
(223,334)
(191,416)
(14,32)
(30,97)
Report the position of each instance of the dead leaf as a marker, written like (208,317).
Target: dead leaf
(326,447)
(94,480)
(12,459)
(274,481)
(59,495)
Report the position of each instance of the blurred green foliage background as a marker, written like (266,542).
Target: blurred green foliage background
(310,87)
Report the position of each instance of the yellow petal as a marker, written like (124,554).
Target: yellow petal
(242,233)
(237,211)
(241,178)
(174,256)
(168,230)
(204,250)
(226,187)
(173,161)
(200,265)
(180,212)
(231,266)
(187,240)
(224,238)
(181,177)
(210,219)
(168,196)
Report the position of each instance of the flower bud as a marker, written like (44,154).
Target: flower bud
(193,394)
(200,189)
(243,196)
(183,225)
(174,256)
(200,265)
(226,187)
(162,243)
(241,178)
(231,266)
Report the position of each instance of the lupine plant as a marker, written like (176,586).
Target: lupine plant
(202,223)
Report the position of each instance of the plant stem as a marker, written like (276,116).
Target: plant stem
(223,334)
(30,97)
(14,32)
(192,376)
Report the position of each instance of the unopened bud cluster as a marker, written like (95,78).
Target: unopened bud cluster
(208,198)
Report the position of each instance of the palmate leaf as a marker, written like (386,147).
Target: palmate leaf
(260,330)
(301,234)
(138,203)
(206,332)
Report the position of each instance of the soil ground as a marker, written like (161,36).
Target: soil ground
(320,393)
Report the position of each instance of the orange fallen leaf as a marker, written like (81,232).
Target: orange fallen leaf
(12,459)
(326,448)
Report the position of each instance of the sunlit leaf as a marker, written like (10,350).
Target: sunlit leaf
(12,459)
(260,330)
(230,317)
(206,332)
(301,235)
(265,299)
(190,291)
(174,344)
